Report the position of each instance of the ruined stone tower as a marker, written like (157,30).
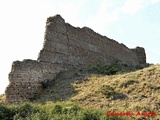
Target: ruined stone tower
(64,47)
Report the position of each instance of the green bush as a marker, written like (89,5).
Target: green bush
(90,115)
(23,110)
(58,109)
(74,109)
(5,113)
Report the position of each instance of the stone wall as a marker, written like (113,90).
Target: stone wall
(65,46)
(28,78)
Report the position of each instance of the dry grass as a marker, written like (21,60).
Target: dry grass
(2,98)
(134,91)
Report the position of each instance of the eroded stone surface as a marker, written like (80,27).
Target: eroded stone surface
(65,46)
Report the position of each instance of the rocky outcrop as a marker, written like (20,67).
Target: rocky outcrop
(65,46)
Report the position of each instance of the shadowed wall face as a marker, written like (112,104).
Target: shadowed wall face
(65,46)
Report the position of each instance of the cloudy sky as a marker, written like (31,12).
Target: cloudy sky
(22,25)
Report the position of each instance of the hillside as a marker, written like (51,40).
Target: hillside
(128,91)
(124,91)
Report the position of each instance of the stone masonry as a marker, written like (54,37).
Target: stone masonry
(65,46)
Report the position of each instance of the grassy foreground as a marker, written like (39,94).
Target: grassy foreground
(51,111)
(88,93)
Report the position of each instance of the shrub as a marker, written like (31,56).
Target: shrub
(5,113)
(74,109)
(58,109)
(90,114)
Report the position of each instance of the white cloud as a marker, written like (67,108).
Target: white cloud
(155,1)
(104,17)
(132,6)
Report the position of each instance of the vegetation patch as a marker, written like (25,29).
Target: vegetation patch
(87,94)
(125,84)
(109,92)
(115,68)
(51,111)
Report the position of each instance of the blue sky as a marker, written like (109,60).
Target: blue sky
(22,25)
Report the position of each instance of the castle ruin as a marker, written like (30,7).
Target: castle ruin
(64,47)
